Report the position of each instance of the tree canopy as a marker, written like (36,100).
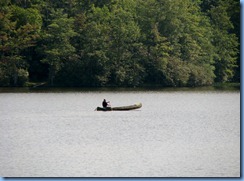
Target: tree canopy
(119,42)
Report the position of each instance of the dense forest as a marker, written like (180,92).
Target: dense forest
(119,42)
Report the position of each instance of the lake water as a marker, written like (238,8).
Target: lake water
(176,133)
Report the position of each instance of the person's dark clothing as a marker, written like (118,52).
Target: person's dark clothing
(105,104)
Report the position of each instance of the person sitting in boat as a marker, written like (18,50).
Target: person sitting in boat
(105,103)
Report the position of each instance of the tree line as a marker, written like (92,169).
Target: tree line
(119,42)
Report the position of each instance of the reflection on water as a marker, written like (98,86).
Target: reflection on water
(176,133)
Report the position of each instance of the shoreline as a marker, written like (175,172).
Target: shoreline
(214,87)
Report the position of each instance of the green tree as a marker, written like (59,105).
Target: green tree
(126,68)
(93,46)
(110,46)
(225,42)
(19,29)
(176,42)
(57,45)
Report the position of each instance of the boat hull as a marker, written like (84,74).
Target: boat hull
(122,108)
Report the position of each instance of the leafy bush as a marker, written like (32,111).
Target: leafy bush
(23,77)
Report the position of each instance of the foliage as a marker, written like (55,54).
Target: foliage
(18,31)
(119,43)
(56,42)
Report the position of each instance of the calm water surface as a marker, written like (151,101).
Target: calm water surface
(174,134)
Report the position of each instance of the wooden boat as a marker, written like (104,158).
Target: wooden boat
(122,108)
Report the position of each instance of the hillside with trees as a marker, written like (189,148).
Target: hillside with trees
(119,42)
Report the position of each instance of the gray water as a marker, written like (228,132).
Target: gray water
(174,134)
